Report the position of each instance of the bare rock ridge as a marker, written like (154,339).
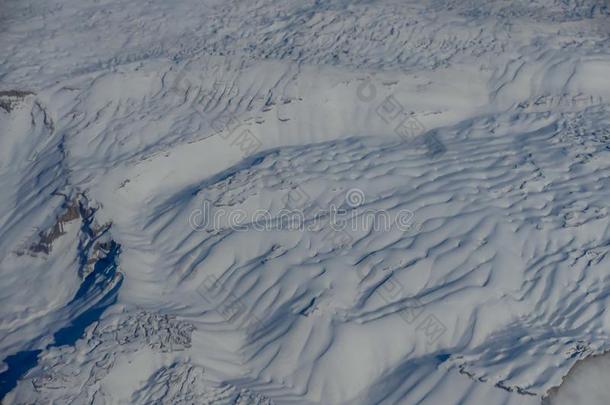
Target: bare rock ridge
(12,98)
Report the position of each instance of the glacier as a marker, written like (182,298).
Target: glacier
(304,202)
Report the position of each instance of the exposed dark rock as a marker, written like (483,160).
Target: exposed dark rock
(11,98)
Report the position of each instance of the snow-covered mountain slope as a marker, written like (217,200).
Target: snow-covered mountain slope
(336,202)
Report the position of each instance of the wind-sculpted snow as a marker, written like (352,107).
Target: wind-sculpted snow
(388,34)
(104,348)
(509,218)
(303,202)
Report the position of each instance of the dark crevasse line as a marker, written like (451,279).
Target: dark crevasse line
(104,273)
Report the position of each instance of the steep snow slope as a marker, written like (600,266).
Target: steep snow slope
(302,202)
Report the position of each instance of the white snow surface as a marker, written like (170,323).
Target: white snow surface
(136,112)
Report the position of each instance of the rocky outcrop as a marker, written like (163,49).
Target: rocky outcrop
(12,98)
